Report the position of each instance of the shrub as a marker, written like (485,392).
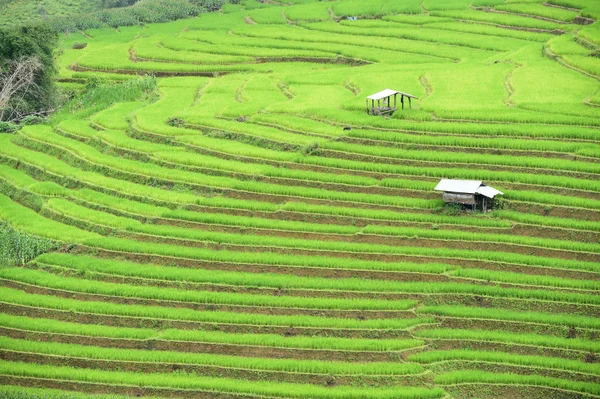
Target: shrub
(210,5)
(32,120)
(94,81)
(79,46)
(8,127)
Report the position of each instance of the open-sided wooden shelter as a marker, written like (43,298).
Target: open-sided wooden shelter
(384,101)
(468,192)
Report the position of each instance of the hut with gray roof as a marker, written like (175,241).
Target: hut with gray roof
(473,193)
(384,103)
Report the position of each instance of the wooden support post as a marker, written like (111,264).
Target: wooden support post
(395,101)
(372,106)
(409,103)
(402,101)
(379,105)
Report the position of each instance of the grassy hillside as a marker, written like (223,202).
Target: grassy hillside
(200,221)
(70,16)
(21,11)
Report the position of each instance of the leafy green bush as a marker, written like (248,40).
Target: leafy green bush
(79,46)
(8,127)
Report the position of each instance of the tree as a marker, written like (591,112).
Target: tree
(26,70)
(16,84)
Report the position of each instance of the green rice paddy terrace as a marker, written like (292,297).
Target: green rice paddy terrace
(226,237)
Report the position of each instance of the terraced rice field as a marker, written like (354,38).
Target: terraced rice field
(225,237)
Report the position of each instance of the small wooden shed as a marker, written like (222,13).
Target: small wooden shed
(384,101)
(474,193)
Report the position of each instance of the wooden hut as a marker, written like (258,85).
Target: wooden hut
(473,193)
(384,101)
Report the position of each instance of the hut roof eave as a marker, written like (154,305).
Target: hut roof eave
(386,93)
(467,187)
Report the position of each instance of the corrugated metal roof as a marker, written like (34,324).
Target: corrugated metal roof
(467,187)
(458,186)
(386,93)
(382,94)
(407,95)
(488,191)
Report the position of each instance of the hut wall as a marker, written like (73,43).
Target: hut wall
(468,199)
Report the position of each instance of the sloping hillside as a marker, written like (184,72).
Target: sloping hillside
(220,218)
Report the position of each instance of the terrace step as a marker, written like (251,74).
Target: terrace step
(147,322)
(366,314)
(509,347)
(330,272)
(216,371)
(216,348)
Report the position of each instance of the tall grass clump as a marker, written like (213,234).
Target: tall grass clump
(101,94)
(17,248)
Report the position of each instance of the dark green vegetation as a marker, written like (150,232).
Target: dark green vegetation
(73,16)
(27,53)
(208,229)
